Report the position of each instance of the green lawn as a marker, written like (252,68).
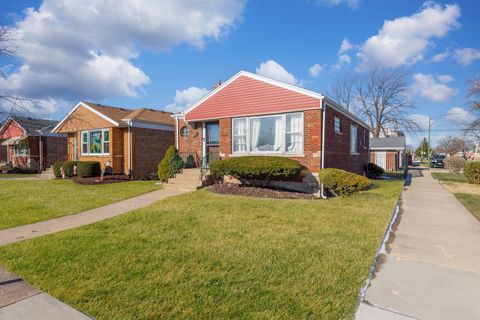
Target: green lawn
(453,177)
(23,202)
(471,202)
(207,256)
(17,175)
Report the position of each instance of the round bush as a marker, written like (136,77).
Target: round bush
(340,182)
(257,170)
(88,169)
(472,172)
(56,169)
(68,167)
(454,164)
(164,171)
(374,170)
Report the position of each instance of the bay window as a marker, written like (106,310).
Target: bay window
(268,134)
(96,142)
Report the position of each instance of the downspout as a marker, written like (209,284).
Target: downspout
(129,142)
(324,109)
(176,132)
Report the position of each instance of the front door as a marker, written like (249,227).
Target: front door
(212,141)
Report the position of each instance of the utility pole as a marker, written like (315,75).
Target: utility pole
(428,147)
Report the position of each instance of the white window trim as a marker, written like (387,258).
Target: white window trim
(88,142)
(356,153)
(283,152)
(335,127)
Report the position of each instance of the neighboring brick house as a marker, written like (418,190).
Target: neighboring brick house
(254,115)
(30,143)
(389,152)
(122,140)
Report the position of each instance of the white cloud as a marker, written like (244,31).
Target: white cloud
(404,40)
(345,46)
(466,56)
(271,69)
(458,115)
(426,86)
(421,120)
(315,70)
(343,59)
(353,4)
(184,98)
(440,56)
(86,49)
(445,78)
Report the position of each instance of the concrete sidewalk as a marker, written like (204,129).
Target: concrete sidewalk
(42,228)
(432,269)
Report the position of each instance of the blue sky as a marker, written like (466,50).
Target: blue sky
(166,54)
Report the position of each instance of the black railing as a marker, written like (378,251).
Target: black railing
(175,165)
(206,161)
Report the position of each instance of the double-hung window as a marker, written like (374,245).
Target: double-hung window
(281,133)
(353,139)
(338,125)
(96,142)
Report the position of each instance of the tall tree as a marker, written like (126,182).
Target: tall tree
(473,127)
(380,96)
(423,149)
(451,145)
(9,103)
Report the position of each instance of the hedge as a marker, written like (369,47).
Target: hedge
(68,168)
(374,170)
(56,169)
(88,169)
(454,164)
(257,170)
(472,172)
(340,182)
(164,171)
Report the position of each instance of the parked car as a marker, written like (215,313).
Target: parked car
(437,161)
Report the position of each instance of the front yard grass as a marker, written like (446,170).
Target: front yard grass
(468,194)
(17,175)
(203,255)
(29,201)
(453,177)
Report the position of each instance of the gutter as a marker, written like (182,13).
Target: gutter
(129,142)
(324,108)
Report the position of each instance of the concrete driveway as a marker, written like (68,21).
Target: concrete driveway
(432,269)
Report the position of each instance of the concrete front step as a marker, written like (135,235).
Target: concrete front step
(178,187)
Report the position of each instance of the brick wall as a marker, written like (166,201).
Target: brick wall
(337,146)
(149,147)
(193,143)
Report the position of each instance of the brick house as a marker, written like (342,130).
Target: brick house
(30,144)
(254,115)
(122,140)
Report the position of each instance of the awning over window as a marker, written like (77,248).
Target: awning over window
(13,141)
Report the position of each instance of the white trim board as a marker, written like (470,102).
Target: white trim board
(81,103)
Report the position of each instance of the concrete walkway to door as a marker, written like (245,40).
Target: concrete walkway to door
(432,269)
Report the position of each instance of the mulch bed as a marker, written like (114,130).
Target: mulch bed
(114,178)
(249,191)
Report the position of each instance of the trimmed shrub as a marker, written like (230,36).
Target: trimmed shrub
(454,164)
(56,169)
(340,182)
(374,170)
(68,167)
(257,170)
(472,172)
(164,171)
(88,169)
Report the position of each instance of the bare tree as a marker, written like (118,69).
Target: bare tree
(380,96)
(473,127)
(343,91)
(451,145)
(8,47)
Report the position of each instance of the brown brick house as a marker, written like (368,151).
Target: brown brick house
(30,144)
(254,115)
(122,140)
